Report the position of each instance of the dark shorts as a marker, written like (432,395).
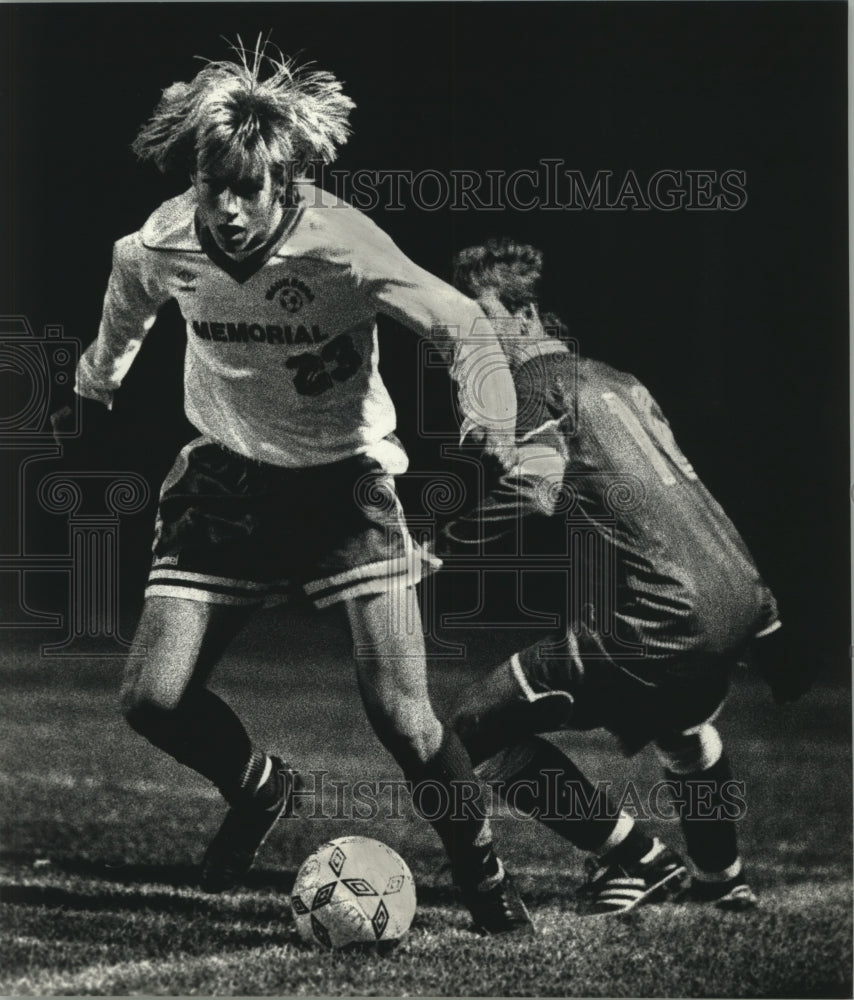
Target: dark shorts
(234,531)
(637,705)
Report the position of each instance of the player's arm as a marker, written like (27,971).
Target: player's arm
(531,487)
(130,308)
(437,311)
(131,303)
(532,484)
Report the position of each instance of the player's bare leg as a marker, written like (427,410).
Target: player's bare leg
(164,699)
(177,641)
(391,670)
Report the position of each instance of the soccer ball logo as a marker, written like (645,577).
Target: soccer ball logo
(291,300)
(353,890)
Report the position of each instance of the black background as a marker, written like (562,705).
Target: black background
(737,321)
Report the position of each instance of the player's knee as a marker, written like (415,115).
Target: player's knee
(145,710)
(140,715)
(416,744)
(411,734)
(690,752)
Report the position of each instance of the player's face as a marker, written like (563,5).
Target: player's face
(513,329)
(240,208)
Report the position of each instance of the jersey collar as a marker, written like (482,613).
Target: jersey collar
(243,270)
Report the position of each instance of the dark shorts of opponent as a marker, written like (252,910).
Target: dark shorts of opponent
(234,531)
(576,682)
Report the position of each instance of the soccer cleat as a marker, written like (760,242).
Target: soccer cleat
(734,894)
(499,910)
(244,829)
(617,888)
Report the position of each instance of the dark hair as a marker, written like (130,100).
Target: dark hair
(510,269)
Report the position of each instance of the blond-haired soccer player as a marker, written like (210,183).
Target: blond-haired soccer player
(290,485)
(673,601)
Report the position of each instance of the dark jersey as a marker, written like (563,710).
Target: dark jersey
(664,567)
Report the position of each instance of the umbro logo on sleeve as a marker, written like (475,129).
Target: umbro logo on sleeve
(187,280)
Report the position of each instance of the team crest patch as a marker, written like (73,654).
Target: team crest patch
(292,294)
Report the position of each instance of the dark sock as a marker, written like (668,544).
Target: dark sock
(629,851)
(707,815)
(542,781)
(203,733)
(447,794)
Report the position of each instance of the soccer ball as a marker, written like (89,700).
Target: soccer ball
(353,890)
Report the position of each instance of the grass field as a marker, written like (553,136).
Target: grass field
(100,835)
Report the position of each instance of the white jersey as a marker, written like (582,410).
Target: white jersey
(281,360)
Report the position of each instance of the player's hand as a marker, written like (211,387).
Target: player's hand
(498,452)
(79,432)
(62,423)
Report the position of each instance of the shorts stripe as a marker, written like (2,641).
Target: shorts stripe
(167,573)
(369,570)
(190,593)
(372,578)
(216,589)
(166,582)
(411,564)
(379,585)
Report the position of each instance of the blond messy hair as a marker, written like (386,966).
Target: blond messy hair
(262,110)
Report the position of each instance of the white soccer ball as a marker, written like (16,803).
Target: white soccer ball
(353,890)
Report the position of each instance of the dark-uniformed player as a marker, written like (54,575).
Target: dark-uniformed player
(673,601)
(289,489)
